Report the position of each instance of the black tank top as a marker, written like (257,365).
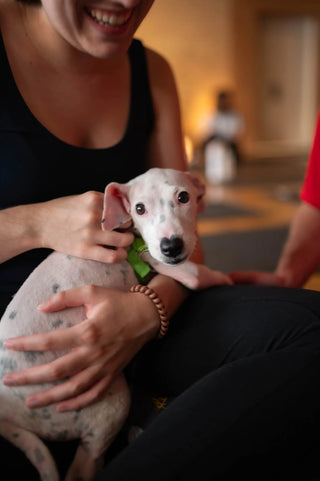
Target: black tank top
(36,166)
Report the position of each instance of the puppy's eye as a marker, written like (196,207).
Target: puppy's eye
(140,208)
(183,197)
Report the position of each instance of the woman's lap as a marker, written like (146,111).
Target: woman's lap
(243,363)
(222,325)
(247,363)
(253,422)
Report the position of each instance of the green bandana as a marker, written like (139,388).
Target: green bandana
(141,268)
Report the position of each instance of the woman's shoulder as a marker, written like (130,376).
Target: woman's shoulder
(157,63)
(160,72)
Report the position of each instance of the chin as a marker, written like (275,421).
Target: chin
(105,50)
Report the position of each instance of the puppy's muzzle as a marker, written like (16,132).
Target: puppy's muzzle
(172,249)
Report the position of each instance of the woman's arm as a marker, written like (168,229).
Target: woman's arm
(17,233)
(71,225)
(300,256)
(166,148)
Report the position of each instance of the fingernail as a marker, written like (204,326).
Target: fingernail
(32,403)
(8,380)
(8,344)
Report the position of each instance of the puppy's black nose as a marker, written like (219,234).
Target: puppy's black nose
(171,247)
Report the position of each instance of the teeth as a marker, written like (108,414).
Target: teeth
(112,20)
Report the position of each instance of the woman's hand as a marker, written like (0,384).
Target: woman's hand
(256,278)
(72,225)
(118,324)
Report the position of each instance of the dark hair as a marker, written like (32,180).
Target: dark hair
(30,2)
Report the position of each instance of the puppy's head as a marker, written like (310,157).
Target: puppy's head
(162,204)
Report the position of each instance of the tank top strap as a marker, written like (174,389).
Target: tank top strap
(141,98)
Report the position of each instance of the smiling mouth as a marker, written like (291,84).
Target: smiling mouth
(109,19)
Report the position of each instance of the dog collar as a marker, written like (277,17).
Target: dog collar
(140,267)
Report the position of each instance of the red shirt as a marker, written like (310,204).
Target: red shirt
(310,192)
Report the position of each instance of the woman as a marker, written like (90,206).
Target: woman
(82,104)
(94,135)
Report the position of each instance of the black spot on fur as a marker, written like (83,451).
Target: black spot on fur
(7,365)
(57,323)
(32,356)
(55,288)
(63,435)
(45,413)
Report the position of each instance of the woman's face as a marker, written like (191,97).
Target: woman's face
(101,28)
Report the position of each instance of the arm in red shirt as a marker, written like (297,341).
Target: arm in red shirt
(300,256)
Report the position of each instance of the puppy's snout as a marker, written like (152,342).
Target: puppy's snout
(172,247)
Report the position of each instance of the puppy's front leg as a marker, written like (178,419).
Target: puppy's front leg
(193,276)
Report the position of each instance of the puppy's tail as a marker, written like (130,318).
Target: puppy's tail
(33,448)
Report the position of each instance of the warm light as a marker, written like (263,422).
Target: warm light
(188,147)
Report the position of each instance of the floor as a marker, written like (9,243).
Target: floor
(263,197)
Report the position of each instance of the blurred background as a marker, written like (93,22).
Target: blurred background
(266,55)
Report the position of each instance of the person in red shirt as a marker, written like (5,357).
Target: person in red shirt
(311,189)
(300,256)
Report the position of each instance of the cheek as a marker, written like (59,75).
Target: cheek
(139,222)
(64,16)
(147,228)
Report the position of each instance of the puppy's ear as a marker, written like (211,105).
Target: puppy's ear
(200,191)
(116,207)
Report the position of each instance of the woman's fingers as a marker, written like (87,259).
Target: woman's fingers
(78,296)
(75,228)
(64,299)
(71,390)
(114,238)
(49,341)
(104,254)
(75,297)
(86,398)
(109,247)
(256,278)
(61,368)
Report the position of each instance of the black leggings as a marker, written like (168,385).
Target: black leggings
(244,363)
(243,366)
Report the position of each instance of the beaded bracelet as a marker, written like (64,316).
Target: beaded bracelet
(147,291)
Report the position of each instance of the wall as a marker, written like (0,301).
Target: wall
(214,44)
(288,78)
(248,15)
(196,38)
